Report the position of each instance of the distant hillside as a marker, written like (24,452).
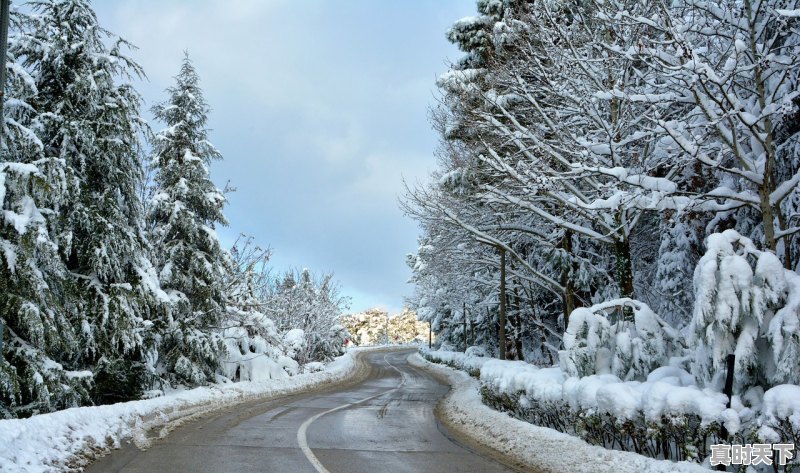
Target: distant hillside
(370,327)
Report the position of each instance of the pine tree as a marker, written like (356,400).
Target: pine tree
(34,368)
(184,211)
(90,120)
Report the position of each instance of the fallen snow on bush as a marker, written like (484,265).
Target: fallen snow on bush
(64,439)
(541,449)
(470,362)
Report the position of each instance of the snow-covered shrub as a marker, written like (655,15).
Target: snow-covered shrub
(298,300)
(476,351)
(664,416)
(748,305)
(252,347)
(461,361)
(295,342)
(623,337)
(328,345)
(780,415)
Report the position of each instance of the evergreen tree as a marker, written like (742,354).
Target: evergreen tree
(89,120)
(34,368)
(184,211)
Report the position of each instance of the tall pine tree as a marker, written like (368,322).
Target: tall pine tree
(183,213)
(90,120)
(35,373)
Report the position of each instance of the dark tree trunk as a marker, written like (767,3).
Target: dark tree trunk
(502,316)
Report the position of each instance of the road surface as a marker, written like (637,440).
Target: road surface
(383,424)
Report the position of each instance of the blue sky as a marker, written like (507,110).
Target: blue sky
(320,109)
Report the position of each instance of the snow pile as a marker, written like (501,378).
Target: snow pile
(49,442)
(538,448)
(545,384)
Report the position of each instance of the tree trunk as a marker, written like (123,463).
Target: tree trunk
(566,280)
(517,321)
(768,181)
(464,321)
(501,336)
(622,250)
(472,331)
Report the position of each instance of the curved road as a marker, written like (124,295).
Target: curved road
(383,424)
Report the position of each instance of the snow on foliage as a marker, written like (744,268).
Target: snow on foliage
(184,209)
(463,407)
(307,311)
(668,399)
(746,304)
(622,337)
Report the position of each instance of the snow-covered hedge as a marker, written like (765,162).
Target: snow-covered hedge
(470,362)
(665,416)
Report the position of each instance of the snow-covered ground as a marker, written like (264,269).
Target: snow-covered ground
(539,448)
(67,439)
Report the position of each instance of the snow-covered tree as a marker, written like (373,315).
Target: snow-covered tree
(311,307)
(731,70)
(254,348)
(748,305)
(89,120)
(677,257)
(185,209)
(35,365)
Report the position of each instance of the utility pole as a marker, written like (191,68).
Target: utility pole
(5,5)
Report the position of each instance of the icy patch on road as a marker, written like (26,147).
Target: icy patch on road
(539,448)
(69,439)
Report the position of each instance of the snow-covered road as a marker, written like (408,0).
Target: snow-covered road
(384,423)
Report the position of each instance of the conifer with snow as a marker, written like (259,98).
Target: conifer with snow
(89,120)
(185,209)
(35,365)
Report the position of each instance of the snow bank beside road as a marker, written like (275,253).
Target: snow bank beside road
(539,448)
(67,439)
